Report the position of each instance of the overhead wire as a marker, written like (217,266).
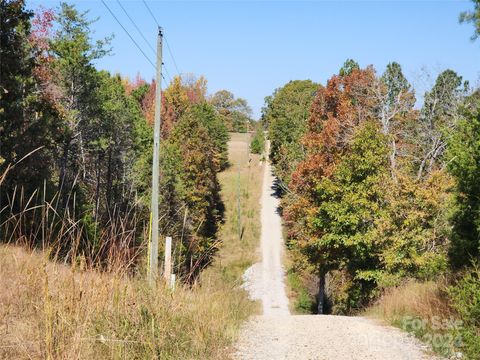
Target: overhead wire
(144,38)
(166,40)
(130,36)
(136,27)
(133,40)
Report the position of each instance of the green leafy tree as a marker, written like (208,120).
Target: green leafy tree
(235,112)
(217,130)
(464,158)
(347,206)
(73,52)
(190,166)
(257,146)
(438,118)
(413,229)
(286,115)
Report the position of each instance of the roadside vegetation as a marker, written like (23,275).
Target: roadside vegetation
(380,199)
(77,310)
(75,179)
(258,142)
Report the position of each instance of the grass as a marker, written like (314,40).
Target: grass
(240,242)
(53,311)
(422,309)
(302,302)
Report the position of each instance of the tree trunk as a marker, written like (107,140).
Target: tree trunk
(109,180)
(393,160)
(321,292)
(97,190)
(63,172)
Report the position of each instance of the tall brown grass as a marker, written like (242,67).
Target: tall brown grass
(419,299)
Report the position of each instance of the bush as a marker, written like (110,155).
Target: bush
(258,143)
(465,299)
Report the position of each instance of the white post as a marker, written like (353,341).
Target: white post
(172,282)
(168,259)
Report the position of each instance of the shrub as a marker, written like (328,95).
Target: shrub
(258,142)
(465,299)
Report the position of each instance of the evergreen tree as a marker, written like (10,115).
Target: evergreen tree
(28,122)
(464,160)
(74,52)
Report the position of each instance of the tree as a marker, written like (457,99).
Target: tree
(235,112)
(190,165)
(286,116)
(346,207)
(28,121)
(217,131)
(464,157)
(348,67)
(395,99)
(74,53)
(413,229)
(472,17)
(337,112)
(438,118)
(257,146)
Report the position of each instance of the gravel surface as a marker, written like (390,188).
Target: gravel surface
(264,281)
(324,337)
(278,335)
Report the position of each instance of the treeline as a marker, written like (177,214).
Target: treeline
(76,147)
(234,112)
(376,191)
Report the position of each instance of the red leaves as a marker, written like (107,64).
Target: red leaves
(42,24)
(337,109)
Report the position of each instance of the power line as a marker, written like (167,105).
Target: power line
(166,71)
(136,27)
(144,38)
(133,40)
(171,55)
(130,36)
(151,13)
(166,41)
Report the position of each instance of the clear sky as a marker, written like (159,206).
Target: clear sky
(253,47)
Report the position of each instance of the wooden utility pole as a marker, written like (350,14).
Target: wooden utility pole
(153,268)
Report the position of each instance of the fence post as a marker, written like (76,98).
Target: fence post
(168,260)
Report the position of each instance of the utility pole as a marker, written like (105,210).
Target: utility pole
(153,268)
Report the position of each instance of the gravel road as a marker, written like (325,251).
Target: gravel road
(278,335)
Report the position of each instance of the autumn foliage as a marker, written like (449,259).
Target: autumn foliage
(84,138)
(356,212)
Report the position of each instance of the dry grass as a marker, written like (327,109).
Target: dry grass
(419,299)
(53,311)
(421,308)
(239,242)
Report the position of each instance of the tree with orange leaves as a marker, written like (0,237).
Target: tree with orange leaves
(338,112)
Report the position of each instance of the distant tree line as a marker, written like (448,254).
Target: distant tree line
(234,112)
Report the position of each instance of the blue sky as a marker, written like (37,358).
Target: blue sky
(253,47)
